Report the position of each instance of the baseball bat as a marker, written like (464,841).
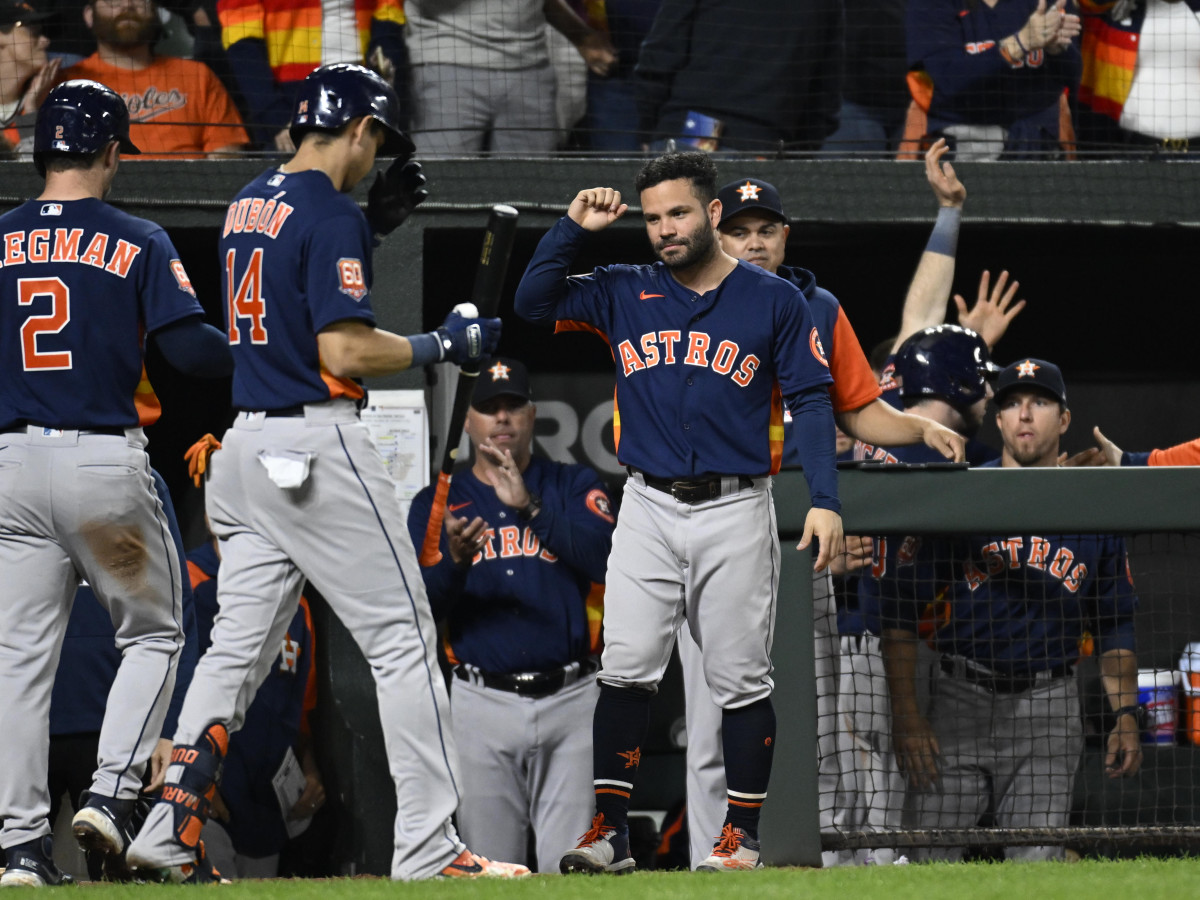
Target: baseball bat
(489,281)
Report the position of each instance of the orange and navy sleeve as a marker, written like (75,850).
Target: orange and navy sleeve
(854,384)
(1186,454)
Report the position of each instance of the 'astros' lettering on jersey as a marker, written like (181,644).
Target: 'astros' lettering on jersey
(700,379)
(274,308)
(82,284)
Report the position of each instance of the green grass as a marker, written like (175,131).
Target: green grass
(1140,879)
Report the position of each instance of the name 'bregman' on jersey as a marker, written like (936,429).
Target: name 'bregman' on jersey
(83,283)
(274,308)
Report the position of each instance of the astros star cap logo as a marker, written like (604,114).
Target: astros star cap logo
(499,372)
(749,191)
(1027,369)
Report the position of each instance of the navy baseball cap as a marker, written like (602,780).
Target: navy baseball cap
(13,12)
(502,376)
(750,194)
(1033,373)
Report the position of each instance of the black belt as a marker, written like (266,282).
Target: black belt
(691,490)
(529,684)
(111,430)
(1002,684)
(287,412)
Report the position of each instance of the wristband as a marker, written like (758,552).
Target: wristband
(1138,713)
(531,509)
(944,239)
(426,349)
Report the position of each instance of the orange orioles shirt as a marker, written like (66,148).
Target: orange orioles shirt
(178,109)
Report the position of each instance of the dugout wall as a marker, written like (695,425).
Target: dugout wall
(1104,251)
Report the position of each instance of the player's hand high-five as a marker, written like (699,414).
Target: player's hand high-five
(395,193)
(597,208)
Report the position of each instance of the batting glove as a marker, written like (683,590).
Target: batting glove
(197,457)
(466,341)
(394,195)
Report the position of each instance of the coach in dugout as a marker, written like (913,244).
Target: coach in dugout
(518,592)
(1010,615)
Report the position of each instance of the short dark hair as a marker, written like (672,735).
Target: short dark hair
(696,167)
(57,161)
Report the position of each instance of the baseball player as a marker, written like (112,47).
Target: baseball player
(299,491)
(520,588)
(754,228)
(706,348)
(1009,614)
(81,283)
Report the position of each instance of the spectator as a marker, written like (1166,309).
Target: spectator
(276,730)
(25,74)
(519,589)
(1141,85)
(1005,731)
(992,74)
(177,107)
(482,77)
(611,121)
(871,117)
(712,75)
(272,45)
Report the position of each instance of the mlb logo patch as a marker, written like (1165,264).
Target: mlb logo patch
(275,180)
(51,209)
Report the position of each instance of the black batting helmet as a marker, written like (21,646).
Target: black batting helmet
(80,116)
(947,362)
(331,96)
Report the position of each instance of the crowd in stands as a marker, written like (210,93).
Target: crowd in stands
(999,79)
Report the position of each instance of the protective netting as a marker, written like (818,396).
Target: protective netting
(771,78)
(976,683)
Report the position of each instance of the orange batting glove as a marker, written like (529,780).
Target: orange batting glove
(197,456)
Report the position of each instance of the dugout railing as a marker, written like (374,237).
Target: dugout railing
(880,500)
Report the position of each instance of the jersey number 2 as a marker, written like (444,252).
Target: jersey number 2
(28,290)
(246,298)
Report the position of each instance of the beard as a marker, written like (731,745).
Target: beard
(697,248)
(126,30)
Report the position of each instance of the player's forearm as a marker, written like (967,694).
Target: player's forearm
(816,445)
(585,549)
(356,350)
(1118,674)
(899,651)
(544,284)
(195,348)
(880,423)
(929,291)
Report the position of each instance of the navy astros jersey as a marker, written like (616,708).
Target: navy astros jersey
(748,346)
(520,606)
(83,283)
(275,307)
(1015,604)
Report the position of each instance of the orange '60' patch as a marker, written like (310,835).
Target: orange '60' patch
(181,276)
(350,278)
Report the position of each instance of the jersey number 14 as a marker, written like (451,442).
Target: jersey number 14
(245,298)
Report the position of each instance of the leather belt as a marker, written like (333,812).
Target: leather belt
(529,684)
(1001,684)
(692,490)
(287,412)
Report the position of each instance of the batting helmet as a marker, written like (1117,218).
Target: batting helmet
(81,116)
(946,362)
(330,96)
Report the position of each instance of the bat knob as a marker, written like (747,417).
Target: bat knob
(467,310)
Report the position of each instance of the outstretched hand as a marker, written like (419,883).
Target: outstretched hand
(395,193)
(946,186)
(993,311)
(596,208)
